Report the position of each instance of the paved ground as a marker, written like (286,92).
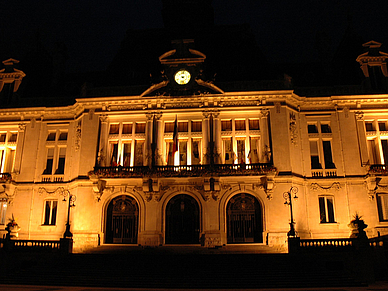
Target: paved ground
(239,267)
(380,286)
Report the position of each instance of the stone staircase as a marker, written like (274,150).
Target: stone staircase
(182,268)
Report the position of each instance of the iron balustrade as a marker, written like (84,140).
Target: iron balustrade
(183,170)
(378,169)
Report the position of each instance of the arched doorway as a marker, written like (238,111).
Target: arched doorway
(122,221)
(244,220)
(182,220)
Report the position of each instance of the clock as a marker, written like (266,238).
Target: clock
(182,77)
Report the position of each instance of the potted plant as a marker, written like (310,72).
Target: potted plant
(12,228)
(357,226)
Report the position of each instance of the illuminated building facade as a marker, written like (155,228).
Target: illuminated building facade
(189,162)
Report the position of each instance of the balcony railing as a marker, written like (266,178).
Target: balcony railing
(378,169)
(324,173)
(184,170)
(5,177)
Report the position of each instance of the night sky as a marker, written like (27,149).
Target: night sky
(93,30)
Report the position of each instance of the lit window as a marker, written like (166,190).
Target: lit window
(326,209)
(239,124)
(50,212)
(226,125)
(183,126)
(127,128)
(114,128)
(3,210)
(254,124)
(140,127)
(196,126)
(377,142)
(56,153)
(382,204)
(169,127)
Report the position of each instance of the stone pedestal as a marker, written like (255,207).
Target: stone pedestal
(211,240)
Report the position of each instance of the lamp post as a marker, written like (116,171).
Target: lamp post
(71,198)
(288,201)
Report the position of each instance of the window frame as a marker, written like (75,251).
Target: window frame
(49,216)
(328,216)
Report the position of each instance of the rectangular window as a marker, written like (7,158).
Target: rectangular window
(228,150)
(140,127)
(254,150)
(127,154)
(169,153)
(183,152)
(382,126)
(169,127)
(13,137)
(326,209)
(51,136)
(3,211)
(369,126)
(196,126)
(239,124)
(325,128)
(139,148)
(327,155)
(61,162)
(49,162)
(3,136)
(312,128)
(62,136)
(382,205)
(314,154)
(195,151)
(241,150)
(384,147)
(254,124)
(374,155)
(50,212)
(183,126)
(226,125)
(9,160)
(127,128)
(114,128)
(114,147)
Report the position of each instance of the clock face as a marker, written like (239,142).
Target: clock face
(182,77)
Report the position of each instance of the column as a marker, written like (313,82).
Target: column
(103,155)
(217,137)
(147,158)
(159,136)
(362,137)
(265,145)
(20,148)
(205,138)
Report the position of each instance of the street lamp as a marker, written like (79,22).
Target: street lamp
(288,197)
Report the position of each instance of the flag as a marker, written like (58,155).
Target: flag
(175,136)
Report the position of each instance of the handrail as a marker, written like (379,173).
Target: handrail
(184,170)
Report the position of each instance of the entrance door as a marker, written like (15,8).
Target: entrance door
(244,220)
(182,220)
(122,221)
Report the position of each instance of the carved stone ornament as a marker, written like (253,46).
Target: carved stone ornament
(4,193)
(334,186)
(293,129)
(359,115)
(103,118)
(22,126)
(78,135)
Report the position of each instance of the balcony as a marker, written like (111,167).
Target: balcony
(184,171)
(320,173)
(4,177)
(378,170)
(52,178)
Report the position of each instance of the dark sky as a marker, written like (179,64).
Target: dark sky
(93,30)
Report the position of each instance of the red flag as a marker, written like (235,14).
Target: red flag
(175,136)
